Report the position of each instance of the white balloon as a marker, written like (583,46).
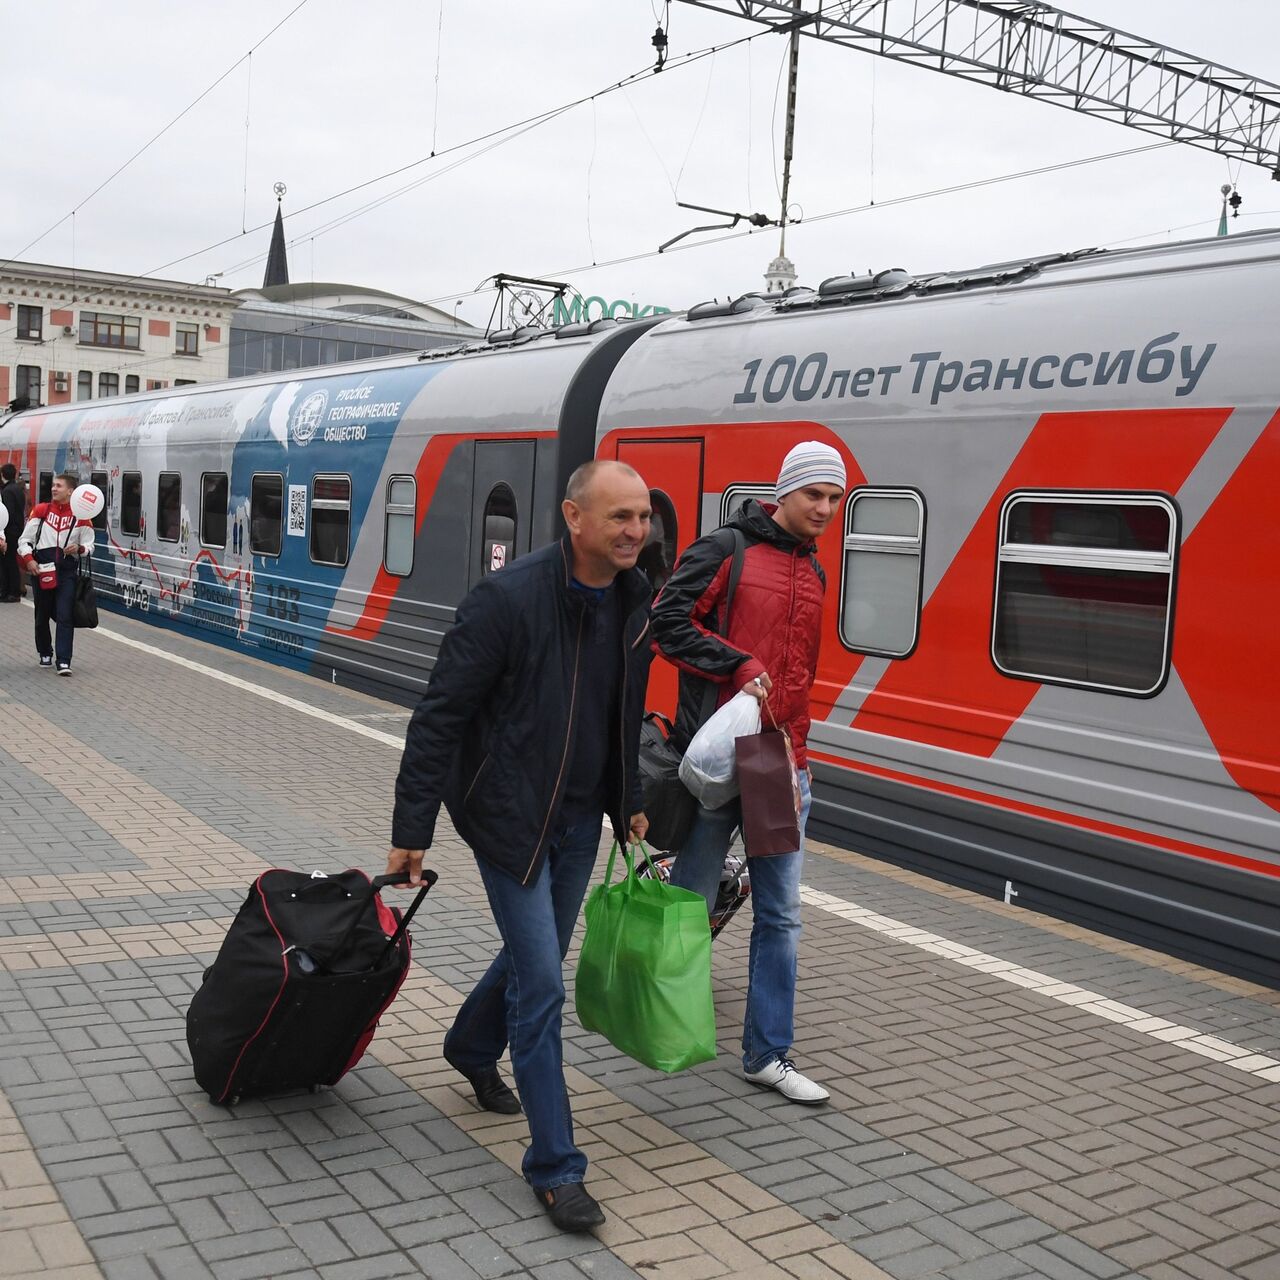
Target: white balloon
(86,501)
(4,517)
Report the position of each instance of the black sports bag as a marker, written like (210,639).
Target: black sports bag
(307,968)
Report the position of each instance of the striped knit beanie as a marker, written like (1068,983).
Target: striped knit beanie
(810,462)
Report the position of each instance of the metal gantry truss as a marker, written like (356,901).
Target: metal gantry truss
(1041,52)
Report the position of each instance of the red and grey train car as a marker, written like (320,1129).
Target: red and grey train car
(1051,666)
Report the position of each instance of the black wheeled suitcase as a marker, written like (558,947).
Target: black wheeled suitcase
(309,965)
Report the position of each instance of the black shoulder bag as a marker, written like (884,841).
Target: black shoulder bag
(84,609)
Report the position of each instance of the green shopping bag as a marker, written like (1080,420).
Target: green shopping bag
(644,974)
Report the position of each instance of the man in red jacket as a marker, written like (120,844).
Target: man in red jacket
(769,647)
(47,549)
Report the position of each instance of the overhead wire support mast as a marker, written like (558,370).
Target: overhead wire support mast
(1042,52)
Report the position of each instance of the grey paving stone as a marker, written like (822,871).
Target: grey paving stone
(928,1054)
(388,1266)
(320,1242)
(440,1263)
(422,1231)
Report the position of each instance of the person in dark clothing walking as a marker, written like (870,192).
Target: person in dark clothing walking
(11,496)
(528,733)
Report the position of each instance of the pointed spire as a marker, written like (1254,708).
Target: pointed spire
(277,264)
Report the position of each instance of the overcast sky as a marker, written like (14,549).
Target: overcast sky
(344,92)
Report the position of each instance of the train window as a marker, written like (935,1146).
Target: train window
(330,519)
(169,507)
(266,514)
(658,556)
(880,580)
(736,495)
(103,481)
(213,509)
(131,503)
(401,526)
(1084,589)
(45,492)
(498,547)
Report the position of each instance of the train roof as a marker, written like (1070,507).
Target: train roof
(1074,266)
(527,340)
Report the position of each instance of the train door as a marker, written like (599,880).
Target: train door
(501,504)
(673,471)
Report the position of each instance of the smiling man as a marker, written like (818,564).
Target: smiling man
(528,733)
(767,646)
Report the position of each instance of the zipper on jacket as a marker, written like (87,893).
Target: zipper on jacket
(476,779)
(564,758)
(622,732)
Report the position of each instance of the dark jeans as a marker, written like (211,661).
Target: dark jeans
(10,574)
(56,604)
(521,997)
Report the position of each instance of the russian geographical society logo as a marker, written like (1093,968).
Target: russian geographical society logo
(308,416)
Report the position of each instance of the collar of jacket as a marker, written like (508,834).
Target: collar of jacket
(632,584)
(755,519)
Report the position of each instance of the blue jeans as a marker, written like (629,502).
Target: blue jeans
(521,996)
(57,603)
(769,1027)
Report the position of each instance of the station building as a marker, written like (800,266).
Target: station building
(69,334)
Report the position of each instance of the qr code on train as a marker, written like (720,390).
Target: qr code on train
(297,523)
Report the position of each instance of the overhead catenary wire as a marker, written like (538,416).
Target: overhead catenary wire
(514,129)
(869,207)
(435,106)
(111,177)
(534,120)
(933,193)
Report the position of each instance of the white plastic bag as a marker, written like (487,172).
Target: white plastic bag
(709,768)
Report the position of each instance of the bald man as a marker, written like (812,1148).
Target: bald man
(528,734)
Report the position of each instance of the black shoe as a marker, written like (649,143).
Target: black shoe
(571,1207)
(491,1092)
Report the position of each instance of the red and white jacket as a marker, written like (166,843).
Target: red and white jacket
(61,530)
(774,626)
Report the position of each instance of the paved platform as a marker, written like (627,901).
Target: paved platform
(1013,1098)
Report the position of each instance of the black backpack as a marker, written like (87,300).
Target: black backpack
(668,803)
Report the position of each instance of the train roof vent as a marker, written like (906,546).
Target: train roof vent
(844,286)
(513,337)
(709,310)
(584,327)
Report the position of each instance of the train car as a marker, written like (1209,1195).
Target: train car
(333,518)
(1051,665)
(1051,652)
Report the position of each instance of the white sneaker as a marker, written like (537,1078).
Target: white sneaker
(782,1075)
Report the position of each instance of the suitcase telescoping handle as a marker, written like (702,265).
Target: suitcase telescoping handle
(402,877)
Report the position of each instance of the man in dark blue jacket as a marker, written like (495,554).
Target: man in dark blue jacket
(528,734)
